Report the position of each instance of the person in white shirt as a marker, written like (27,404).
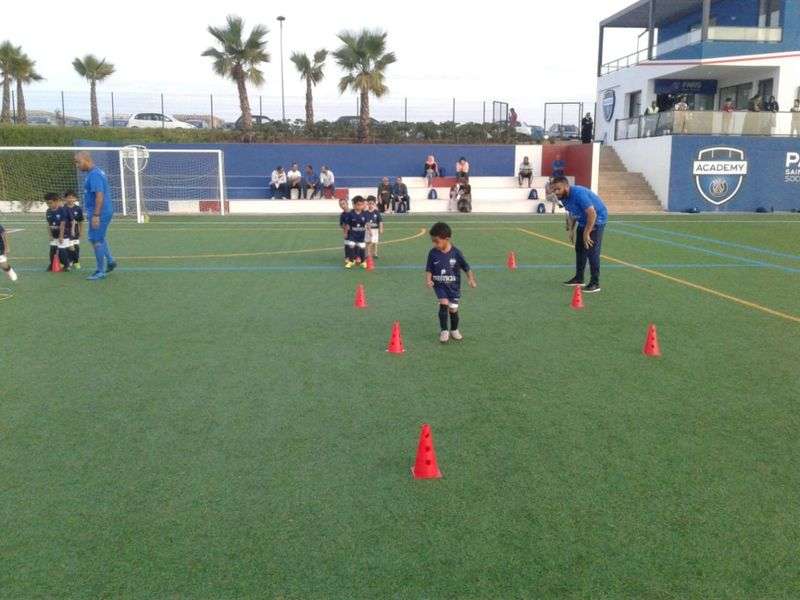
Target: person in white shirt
(277,183)
(294,181)
(795,110)
(326,182)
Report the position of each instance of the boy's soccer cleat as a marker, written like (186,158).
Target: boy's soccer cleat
(444,337)
(348,264)
(456,335)
(97,275)
(111,266)
(12,274)
(592,288)
(574,282)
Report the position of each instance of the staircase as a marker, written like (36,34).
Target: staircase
(624,192)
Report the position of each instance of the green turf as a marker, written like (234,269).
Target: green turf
(230,427)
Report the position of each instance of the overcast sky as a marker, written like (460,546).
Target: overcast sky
(525,53)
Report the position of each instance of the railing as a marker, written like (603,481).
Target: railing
(700,122)
(631,60)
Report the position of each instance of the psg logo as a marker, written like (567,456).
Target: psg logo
(718,187)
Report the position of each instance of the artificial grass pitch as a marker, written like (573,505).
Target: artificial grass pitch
(216,420)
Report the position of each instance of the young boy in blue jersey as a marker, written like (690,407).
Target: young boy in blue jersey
(73,227)
(4,248)
(443,274)
(355,231)
(374,226)
(56,218)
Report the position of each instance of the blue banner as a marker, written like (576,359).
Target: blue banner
(707,87)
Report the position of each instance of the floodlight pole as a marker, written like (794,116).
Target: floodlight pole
(281,19)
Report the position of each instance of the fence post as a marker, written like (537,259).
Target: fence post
(211,96)
(13,107)
(113,112)
(163,123)
(405,109)
(484,112)
(260,108)
(63,114)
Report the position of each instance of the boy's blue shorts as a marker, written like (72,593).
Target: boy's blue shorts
(446,293)
(99,234)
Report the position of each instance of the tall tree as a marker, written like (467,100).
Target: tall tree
(8,55)
(311,71)
(24,72)
(363,56)
(93,70)
(239,59)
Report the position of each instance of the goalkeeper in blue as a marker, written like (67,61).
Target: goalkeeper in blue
(99,212)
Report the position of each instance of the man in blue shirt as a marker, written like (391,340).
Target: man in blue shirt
(586,210)
(99,211)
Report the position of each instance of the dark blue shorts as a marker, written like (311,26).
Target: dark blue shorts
(447,293)
(99,234)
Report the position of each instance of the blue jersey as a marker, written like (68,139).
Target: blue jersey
(96,181)
(357,223)
(374,219)
(343,218)
(55,217)
(2,245)
(445,269)
(579,199)
(74,215)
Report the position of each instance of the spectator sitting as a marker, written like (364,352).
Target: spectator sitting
(326,183)
(310,182)
(559,166)
(431,169)
(294,181)
(277,183)
(384,195)
(462,170)
(525,171)
(460,198)
(401,201)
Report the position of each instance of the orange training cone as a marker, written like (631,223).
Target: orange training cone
(361,298)
(370,263)
(56,264)
(651,347)
(512,261)
(396,341)
(425,466)
(577,298)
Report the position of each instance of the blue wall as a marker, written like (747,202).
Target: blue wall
(768,183)
(734,13)
(248,166)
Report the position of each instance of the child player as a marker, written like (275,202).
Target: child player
(73,226)
(355,229)
(342,220)
(374,226)
(4,266)
(443,274)
(56,224)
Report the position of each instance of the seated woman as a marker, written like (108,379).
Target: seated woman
(462,170)
(525,171)
(431,169)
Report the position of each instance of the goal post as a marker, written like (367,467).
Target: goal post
(143,181)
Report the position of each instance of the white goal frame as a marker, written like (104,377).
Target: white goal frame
(121,150)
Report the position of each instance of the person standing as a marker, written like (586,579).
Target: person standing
(587,129)
(680,114)
(727,116)
(795,110)
(772,107)
(97,203)
(651,119)
(586,210)
(513,119)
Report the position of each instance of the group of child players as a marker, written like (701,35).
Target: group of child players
(64,220)
(363,226)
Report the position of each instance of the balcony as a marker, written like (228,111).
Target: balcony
(700,122)
(693,37)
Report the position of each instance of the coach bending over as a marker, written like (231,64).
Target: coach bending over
(586,209)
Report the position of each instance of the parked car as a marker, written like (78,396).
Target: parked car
(157,120)
(198,123)
(564,132)
(354,120)
(41,120)
(115,123)
(535,132)
(258,120)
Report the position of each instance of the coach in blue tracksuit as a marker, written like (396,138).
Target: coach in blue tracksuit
(99,211)
(586,210)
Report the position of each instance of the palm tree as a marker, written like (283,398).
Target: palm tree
(24,71)
(363,56)
(312,73)
(240,59)
(8,54)
(94,70)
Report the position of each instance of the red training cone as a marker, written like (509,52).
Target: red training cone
(425,466)
(577,298)
(651,347)
(512,261)
(56,264)
(396,341)
(370,263)
(361,298)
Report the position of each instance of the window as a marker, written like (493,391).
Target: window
(765,88)
(740,94)
(769,13)
(634,104)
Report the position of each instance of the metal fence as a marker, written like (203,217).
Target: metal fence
(48,107)
(700,122)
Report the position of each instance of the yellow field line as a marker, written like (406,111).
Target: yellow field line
(419,234)
(678,280)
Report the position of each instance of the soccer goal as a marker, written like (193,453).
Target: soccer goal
(143,181)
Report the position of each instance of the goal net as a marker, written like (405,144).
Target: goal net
(143,181)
